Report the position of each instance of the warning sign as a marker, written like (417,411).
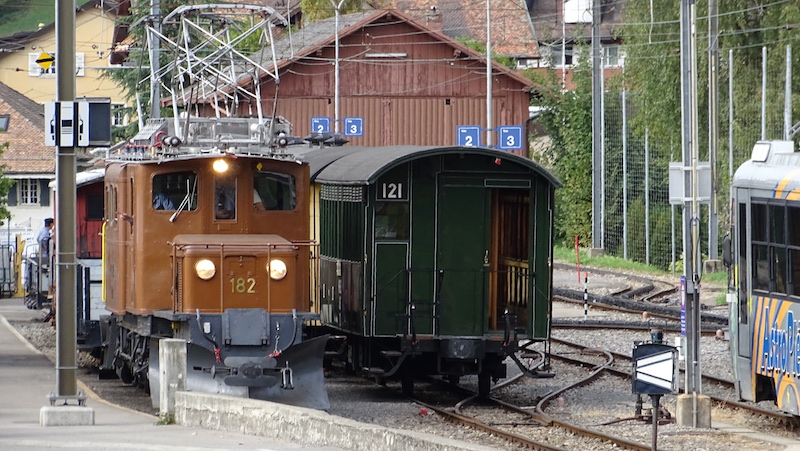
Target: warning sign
(654,369)
(45,60)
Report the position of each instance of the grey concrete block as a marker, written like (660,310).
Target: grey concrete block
(172,373)
(685,411)
(301,425)
(66,416)
(594,252)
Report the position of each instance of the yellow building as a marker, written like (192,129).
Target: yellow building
(94,39)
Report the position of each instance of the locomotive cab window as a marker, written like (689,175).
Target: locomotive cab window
(175,191)
(273,191)
(225,198)
(111,204)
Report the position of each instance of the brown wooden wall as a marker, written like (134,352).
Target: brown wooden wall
(89,224)
(419,99)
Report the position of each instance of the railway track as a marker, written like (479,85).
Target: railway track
(521,417)
(781,418)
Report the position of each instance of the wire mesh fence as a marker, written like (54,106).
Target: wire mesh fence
(638,221)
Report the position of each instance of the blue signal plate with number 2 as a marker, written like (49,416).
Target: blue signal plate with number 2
(468,135)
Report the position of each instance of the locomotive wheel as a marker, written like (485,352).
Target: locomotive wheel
(453,379)
(125,374)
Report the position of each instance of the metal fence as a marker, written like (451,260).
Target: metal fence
(8,270)
(638,222)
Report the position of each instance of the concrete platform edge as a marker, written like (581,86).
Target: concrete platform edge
(301,425)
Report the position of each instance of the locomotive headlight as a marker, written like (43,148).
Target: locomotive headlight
(205,269)
(277,269)
(220,166)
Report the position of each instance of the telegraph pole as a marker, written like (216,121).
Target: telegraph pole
(59,413)
(66,321)
(488,74)
(597,130)
(693,409)
(713,125)
(155,62)
(337,8)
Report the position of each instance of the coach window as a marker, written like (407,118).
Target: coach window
(761,254)
(94,207)
(274,191)
(777,239)
(391,220)
(793,241)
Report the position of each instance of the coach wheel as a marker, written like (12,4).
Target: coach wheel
(407,379)
(484,383)
(353,359)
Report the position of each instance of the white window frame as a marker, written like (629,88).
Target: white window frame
(35,70)
(612,56)
(527,63)
(28,192)
(557,58)
(119,117)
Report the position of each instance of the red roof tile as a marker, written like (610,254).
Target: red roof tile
(511,28)
(26,153)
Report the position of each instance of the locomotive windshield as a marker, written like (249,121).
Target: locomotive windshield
(175,191)
(273,191)
(225,198)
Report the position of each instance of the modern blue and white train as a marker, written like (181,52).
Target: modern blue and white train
(763,256)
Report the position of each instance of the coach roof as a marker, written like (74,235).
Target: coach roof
(357,165)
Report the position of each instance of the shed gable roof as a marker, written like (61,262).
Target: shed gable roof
(322,33)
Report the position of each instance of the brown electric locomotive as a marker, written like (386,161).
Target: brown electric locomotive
(206,240)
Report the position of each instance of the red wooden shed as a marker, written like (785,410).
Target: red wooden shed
(411,84)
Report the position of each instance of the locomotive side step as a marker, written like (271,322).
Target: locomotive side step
(374,371)
(391,354)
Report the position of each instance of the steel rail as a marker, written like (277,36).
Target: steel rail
(779,416)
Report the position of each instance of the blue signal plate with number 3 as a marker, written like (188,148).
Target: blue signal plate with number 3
(510,137)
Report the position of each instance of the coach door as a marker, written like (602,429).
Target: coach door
(744,336)
(462,256)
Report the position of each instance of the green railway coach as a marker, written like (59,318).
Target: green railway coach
(433,260)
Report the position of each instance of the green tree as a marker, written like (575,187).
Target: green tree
(567,119)
(314,10)
(480,47)
(653,72)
